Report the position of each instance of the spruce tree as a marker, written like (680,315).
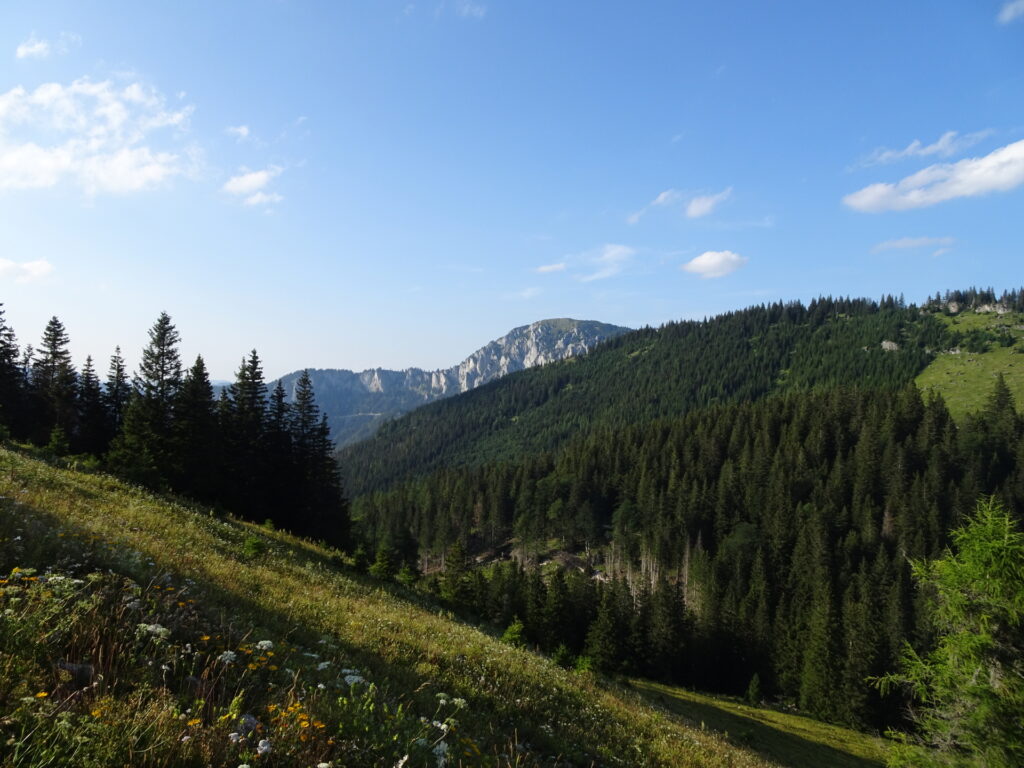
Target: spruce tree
(144,451)
(971,686)
(196,436)
(93,435)
(54,382)
(117,390)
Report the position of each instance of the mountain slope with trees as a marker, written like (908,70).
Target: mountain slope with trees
(356,404)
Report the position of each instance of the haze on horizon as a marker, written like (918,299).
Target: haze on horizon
(394,184)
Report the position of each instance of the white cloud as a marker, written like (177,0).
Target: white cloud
(902,243)
(250,185)
(948,144)
(248,182)
(470,10)
(33,48)
(702,206)
(95,135)
(547,268)
(1010,11)
(999,171)
(240,132)
(26,271)
(668,197)
(263,198)
(609,260)
(715,263)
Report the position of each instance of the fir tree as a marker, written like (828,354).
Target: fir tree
(144,451)
(94,434)
(54,381)
(116,390)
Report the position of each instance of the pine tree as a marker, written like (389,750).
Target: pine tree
(196,436)
(117,390)
(54,382)
(93,436)
(144,451)
(971,686)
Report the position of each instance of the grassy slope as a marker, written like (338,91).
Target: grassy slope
(965,380)
(794,740)
(409,649)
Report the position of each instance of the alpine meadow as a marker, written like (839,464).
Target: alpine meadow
(485,383)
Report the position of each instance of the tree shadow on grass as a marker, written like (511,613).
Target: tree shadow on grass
(784,746)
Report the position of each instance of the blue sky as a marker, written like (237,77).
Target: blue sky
(360,184)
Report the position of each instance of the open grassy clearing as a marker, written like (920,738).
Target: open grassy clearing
(965,380)
(791,739)
(141,580)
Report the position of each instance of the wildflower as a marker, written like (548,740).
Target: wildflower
(248,723)
(194,721)
(185,738)
(228,657)
(42,695)
(353,679)
(263,748)
(264,645)
(322,666)
(234,737)
(323,765)
(458,703)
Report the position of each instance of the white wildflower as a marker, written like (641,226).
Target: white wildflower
(353,679)
(234,737)
(458,703)
(263,748)
(322,666)
(441,753)
(264,646)
(350,671)
(228,657)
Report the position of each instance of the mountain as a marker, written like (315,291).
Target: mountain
(655,374)
(357,404)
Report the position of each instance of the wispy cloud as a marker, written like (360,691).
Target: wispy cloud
(668,197)
(240,132)
(1010,11)
(24,272)
(940,244)
(948,144)
(607,261)
(97,135)
(250,185)
(470,10)
(702,206)
(715,264)
(33,48)
(36,48)
(548,268)
(999,171)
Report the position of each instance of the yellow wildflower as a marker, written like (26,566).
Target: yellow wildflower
(42,695)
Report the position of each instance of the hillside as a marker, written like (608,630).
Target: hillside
(159,634)
(991,343)
(357,403)
(654,374)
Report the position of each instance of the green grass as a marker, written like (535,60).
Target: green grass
(791,739)
(965,380)
(150,594)
(115,544)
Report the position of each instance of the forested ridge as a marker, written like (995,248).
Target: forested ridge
(735,509)
(651,374)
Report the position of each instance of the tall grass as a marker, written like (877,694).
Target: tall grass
(140,631)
